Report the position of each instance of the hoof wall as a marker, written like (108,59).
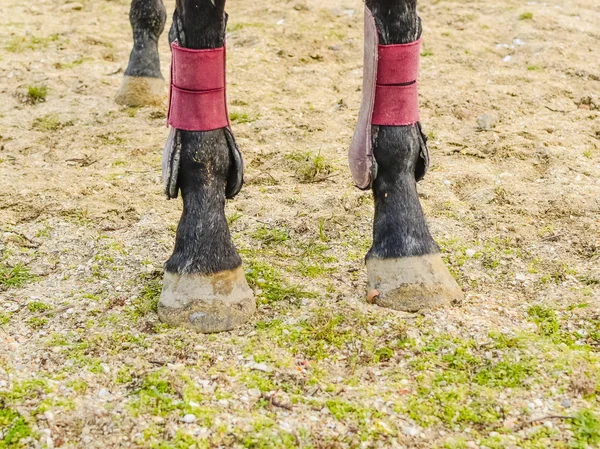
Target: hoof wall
(411,284)
(206,303)
(136,91)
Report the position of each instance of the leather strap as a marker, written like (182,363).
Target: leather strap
(197,101)
(360,156)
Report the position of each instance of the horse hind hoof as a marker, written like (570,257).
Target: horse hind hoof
(206,303)
(411,284)
(136,91)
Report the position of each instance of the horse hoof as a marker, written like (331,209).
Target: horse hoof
(136,91)
(206,303)
(411,284)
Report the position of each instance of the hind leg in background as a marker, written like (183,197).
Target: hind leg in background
(204,285)
(405,269)
(143,83)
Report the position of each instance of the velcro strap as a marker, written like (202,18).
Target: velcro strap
(396,105)
(398,64)
(396,96)
(197,101)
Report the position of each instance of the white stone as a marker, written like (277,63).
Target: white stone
(260,367)
(470,253)
(254,392)
(104,393)
(410,431)
(71,7)
(189,418)
(285,426)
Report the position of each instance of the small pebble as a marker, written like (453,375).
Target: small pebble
(71,7)
(286,426)
(260,367)
(470,253)
(410,431)
(254,392)
(189,418)
(565,403)
(486,122)
(104,393)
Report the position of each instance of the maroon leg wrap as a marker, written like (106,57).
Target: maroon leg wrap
(390,97)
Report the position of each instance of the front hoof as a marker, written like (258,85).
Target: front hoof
(206,303)
(139,91)
(411,284)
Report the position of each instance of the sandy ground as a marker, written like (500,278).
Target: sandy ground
(515,207)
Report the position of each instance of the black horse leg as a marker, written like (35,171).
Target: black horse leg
(143,83)
(405,270)
(204,285)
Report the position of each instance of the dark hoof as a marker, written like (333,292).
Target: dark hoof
(139,91)
(411,284)
(206,303)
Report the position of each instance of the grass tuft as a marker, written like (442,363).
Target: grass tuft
(586,430)
(36,94)
(14,429)
(49,122)
(270,286)
(14,277)
(147,301)
(311,167)
(240,117)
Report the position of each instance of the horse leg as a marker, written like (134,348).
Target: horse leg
(204,284)
(405,269)
(143,83)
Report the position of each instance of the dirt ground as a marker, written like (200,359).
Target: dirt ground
(509,95)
